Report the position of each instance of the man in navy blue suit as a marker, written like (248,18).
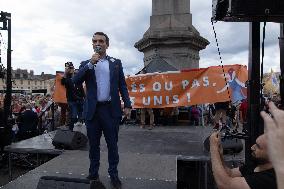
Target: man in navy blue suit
(105,83)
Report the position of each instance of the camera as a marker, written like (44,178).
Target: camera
(69,65)
(227,134)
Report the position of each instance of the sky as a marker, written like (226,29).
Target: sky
(48,33)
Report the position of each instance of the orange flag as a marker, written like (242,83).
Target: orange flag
(59,95)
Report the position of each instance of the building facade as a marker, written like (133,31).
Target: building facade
(26,82)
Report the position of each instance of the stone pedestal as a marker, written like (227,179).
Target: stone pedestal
(171,35)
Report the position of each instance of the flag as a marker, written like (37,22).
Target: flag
(274,80)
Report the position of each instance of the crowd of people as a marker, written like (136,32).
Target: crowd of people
(31,115)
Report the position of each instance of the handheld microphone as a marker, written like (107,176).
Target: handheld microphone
(98,49)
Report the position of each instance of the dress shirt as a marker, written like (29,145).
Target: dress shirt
(103,79)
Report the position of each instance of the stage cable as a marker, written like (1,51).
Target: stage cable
(220,57)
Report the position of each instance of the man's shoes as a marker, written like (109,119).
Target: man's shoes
(95,182)
(115,182)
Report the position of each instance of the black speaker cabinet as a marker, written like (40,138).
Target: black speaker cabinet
(248,10)
(70,140)
(52,182)
(195,174)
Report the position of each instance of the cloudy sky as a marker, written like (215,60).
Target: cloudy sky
(48,33)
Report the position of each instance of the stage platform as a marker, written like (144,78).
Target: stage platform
(148,158)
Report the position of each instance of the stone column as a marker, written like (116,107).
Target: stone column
(171,35)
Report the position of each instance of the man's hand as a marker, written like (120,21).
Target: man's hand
(275,134)
(215,143)
(95,58)
(127,112)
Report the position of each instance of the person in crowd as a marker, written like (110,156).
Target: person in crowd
(158,116)
(57,115)
(167,113)
(63,113)
(243,109)
(211,114)
(74,94)
(195,113)
(175,114)
(105,83)
(151,115)
(220,113)
(274,125)
(245,177)
(231,121)
(46,102)
(27,123)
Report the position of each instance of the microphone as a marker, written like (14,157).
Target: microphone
(98,49)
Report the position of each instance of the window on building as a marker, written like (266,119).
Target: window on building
(35,82)
(29,82)
(22,82)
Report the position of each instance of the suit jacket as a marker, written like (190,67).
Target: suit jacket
(74,93)
(117,86)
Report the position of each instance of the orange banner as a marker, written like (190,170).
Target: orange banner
(59,95)
(184,88)
(189,87)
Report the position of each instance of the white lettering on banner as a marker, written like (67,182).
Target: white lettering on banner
(195,84)
(148,102)
(133,87)
(157,86)
(158,101)
(142,88)
(188,97)
(167,100)
(205,81)
(175,99)
(184,84)
(169,88)
(132,100)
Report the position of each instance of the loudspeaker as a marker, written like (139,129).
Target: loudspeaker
(70,140)
(248,10)
(52,182)
(194,174)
